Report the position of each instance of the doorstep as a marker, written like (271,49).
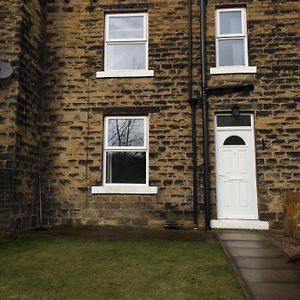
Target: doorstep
(239,224)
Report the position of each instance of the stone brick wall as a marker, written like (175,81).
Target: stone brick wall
(273,39)
(9,52)
(29,112)
(53,120)
(22,41)
(76,103)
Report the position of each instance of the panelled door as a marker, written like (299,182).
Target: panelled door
(235,167)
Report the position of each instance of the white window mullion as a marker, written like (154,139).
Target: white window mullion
(244,22)
(245,37)
(146,33)
(147,167)
(146,139)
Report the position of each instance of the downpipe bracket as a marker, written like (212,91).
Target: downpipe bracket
(195,101)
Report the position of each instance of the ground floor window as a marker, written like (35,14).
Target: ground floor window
(125,150)
(125,156)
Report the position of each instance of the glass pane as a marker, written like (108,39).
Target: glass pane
(126,167)
(234,140)
(126,57)
(126,132)
(231,52)
(126,27)
(228,121)
(231,22)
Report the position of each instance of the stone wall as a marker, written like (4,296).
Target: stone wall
(9,51)
(29,112)
(52,119)
(76,103)
(273,38)
(22,41)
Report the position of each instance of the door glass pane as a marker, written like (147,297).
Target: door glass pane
(126,57)
(234,140)
(126,27)
(126,167)
(231,52)
(126,132)
(228,121)
(231,22)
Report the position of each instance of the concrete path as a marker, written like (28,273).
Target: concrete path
(261,266)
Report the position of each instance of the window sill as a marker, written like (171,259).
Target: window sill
(125,73)
(233,70)
(124,189)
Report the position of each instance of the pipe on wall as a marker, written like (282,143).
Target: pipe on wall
(193,103)
(205,124)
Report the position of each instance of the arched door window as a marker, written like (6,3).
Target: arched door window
(234,140)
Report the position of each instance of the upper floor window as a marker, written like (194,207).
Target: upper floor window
(231,42)
(126,45)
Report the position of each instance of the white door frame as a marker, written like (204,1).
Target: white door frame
(227,222)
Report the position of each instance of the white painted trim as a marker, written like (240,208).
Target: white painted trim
(242,10)
(243,36)
(233,70)
(125,73)
(145,40)
(144,148)
(127,148)
(250,129)
(126,15)
(124,189)
(240,224)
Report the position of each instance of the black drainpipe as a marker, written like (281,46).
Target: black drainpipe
(193,104)
(206,183)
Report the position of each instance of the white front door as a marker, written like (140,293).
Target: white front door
(235,167)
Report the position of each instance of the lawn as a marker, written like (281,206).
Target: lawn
(58,267)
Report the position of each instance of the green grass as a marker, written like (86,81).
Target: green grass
(45,267)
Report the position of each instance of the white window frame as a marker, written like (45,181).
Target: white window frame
(242,36)
(125,188)
(145,40)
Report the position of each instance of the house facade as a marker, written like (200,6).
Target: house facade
(102,120)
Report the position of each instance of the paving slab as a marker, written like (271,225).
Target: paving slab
(277,291)
(249,244)
(262,275)
(263,263)
(255,252)
(242,236)
(261,266)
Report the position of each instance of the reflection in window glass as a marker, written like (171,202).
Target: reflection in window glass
(126,167)
(126,150)
(126,27)
(126,132)
(230,22)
